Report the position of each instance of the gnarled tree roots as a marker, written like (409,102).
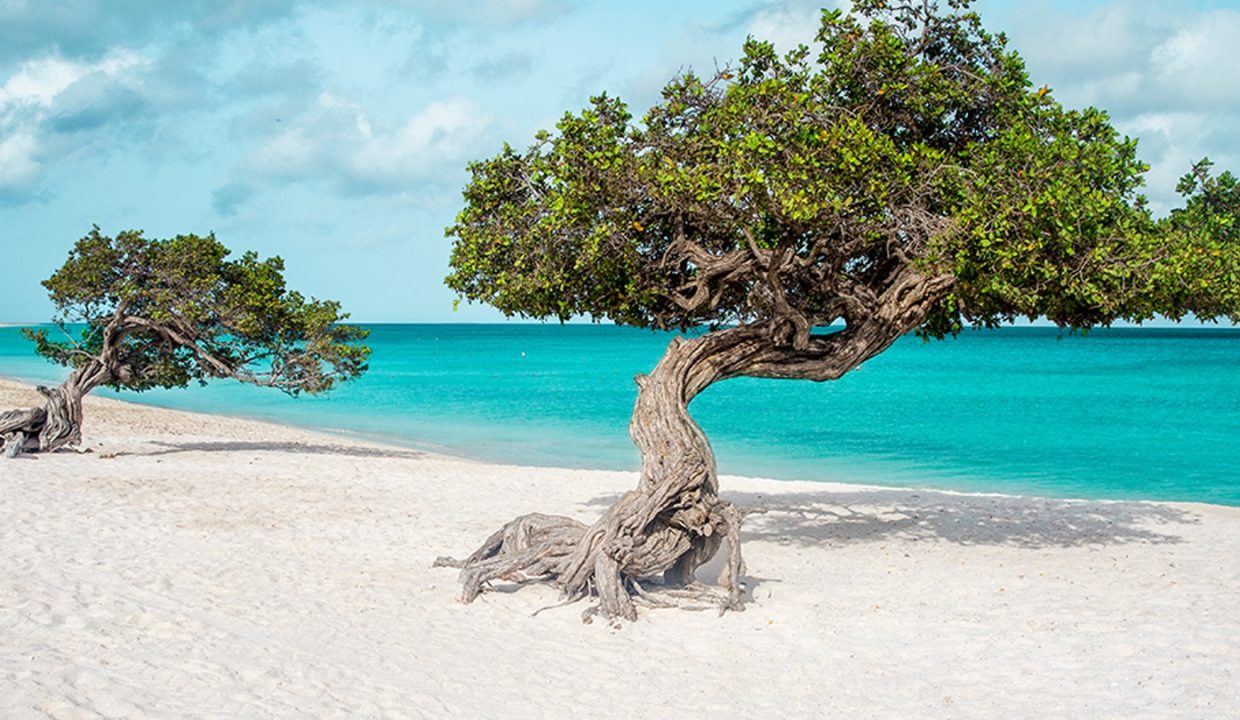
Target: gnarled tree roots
(619,559)
(57,424)
(674,522)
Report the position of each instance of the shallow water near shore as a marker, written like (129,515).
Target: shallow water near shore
(1136,413)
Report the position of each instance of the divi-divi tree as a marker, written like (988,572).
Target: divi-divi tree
(137,313)
(903,175)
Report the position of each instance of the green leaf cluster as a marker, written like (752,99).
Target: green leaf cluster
(797,185)
(1196,259)
(163,313)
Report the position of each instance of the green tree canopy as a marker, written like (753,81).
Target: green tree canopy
(162,313)
(904,175)
(794,190)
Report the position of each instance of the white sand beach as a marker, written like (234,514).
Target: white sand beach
(192,566)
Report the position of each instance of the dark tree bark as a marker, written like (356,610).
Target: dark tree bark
(20,429)
(674,522)
(58,423)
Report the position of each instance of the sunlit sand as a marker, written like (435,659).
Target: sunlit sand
(196,566)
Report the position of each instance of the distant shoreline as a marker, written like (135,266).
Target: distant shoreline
(206,417)
(467,390)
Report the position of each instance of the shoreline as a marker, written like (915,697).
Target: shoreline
(10,383)
(309,433)
(194,564)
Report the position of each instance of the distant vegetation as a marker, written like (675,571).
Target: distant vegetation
(163,313)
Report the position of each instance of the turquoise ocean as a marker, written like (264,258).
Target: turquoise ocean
(1132,413)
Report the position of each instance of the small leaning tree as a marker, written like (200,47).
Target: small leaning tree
(162,313)
(904,176)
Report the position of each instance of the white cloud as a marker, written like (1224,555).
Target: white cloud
(702,47)
(1166,78)
(18,167)
(337,141)
(38,82)
(1197,64)
(37,93)
(787,26)
(444,132)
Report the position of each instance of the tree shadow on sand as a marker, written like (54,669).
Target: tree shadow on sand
(851,516)
(304,448)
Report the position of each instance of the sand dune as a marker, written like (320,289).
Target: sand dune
(199,567)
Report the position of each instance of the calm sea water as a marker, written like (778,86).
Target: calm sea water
(1120,413)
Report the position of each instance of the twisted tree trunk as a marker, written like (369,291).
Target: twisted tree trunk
(674,521)
(59,422)
(670,525)
(664,530)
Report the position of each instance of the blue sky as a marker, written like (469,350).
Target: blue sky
(336,134)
